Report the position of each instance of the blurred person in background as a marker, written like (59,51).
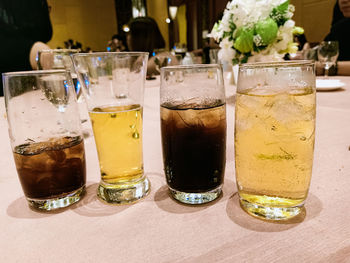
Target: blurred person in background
(117,44)
(340,31)
(144,35)
(340,28)
(25,27)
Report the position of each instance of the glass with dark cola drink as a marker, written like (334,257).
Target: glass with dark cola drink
(46,137)
(193,127)
(48,169)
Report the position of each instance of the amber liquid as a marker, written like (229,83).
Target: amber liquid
(52,168)
(274,143)
(118,137)
(194,146)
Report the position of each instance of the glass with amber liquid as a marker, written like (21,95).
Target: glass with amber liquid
(121,127)
(274,137)
(113,86)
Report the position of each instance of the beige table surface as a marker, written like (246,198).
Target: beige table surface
(158,229)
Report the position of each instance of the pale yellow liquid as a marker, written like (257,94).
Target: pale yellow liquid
(274,143)
(118,137)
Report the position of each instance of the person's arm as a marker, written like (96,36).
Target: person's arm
(343,68)
(319,68)
(37,46)
(306,46)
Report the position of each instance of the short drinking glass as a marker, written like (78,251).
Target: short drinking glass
(274,137)
(46,137)
(193,128)
(113,86)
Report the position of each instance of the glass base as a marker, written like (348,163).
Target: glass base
(124,193)
(270,212)
(196,198)
(57,203)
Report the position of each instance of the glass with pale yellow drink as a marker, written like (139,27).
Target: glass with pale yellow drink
(274,137)
(113,85)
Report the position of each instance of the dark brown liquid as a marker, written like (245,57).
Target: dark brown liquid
(194,147)
(50,169)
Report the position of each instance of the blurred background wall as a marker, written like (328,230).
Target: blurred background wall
(94,22)
(315,16)
(90,22)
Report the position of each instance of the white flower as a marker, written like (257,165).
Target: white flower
(289,24)
(215,32)
(240,15)
(284,36)
(226,53)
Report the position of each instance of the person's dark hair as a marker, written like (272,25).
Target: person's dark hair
(337,14)
(121,38)
(301,39)
(145,35)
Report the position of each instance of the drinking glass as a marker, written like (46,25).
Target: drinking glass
(46,137)
(113,86)
(59,59)
(274,137)
(164,60)
(213,55)
(193,128)
(327,53)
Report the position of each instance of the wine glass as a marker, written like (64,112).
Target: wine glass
(59,59)
(327,53)
(166,59)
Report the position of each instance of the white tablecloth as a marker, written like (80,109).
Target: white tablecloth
(158,229)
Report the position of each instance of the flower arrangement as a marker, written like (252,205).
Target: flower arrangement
(256,30)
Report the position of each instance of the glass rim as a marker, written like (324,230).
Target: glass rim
(34,72)
(96,54)
(192,66)
(61,50)
(280,64)
(330,41)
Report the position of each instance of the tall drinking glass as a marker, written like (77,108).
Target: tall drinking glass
(46,137)
(327,54)
(274,137)
(193,127)
(113,86)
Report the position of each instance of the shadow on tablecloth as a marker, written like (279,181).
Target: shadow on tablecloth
(89,206)
(20,209)
(165,202)
(313,207)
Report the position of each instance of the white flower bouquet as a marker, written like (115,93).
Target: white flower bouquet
(256,30)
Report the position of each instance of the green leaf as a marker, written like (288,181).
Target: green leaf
(244,40)
(282,8)
(235,61)
(245,58)
(279,12)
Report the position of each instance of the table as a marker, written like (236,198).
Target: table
(158,229)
